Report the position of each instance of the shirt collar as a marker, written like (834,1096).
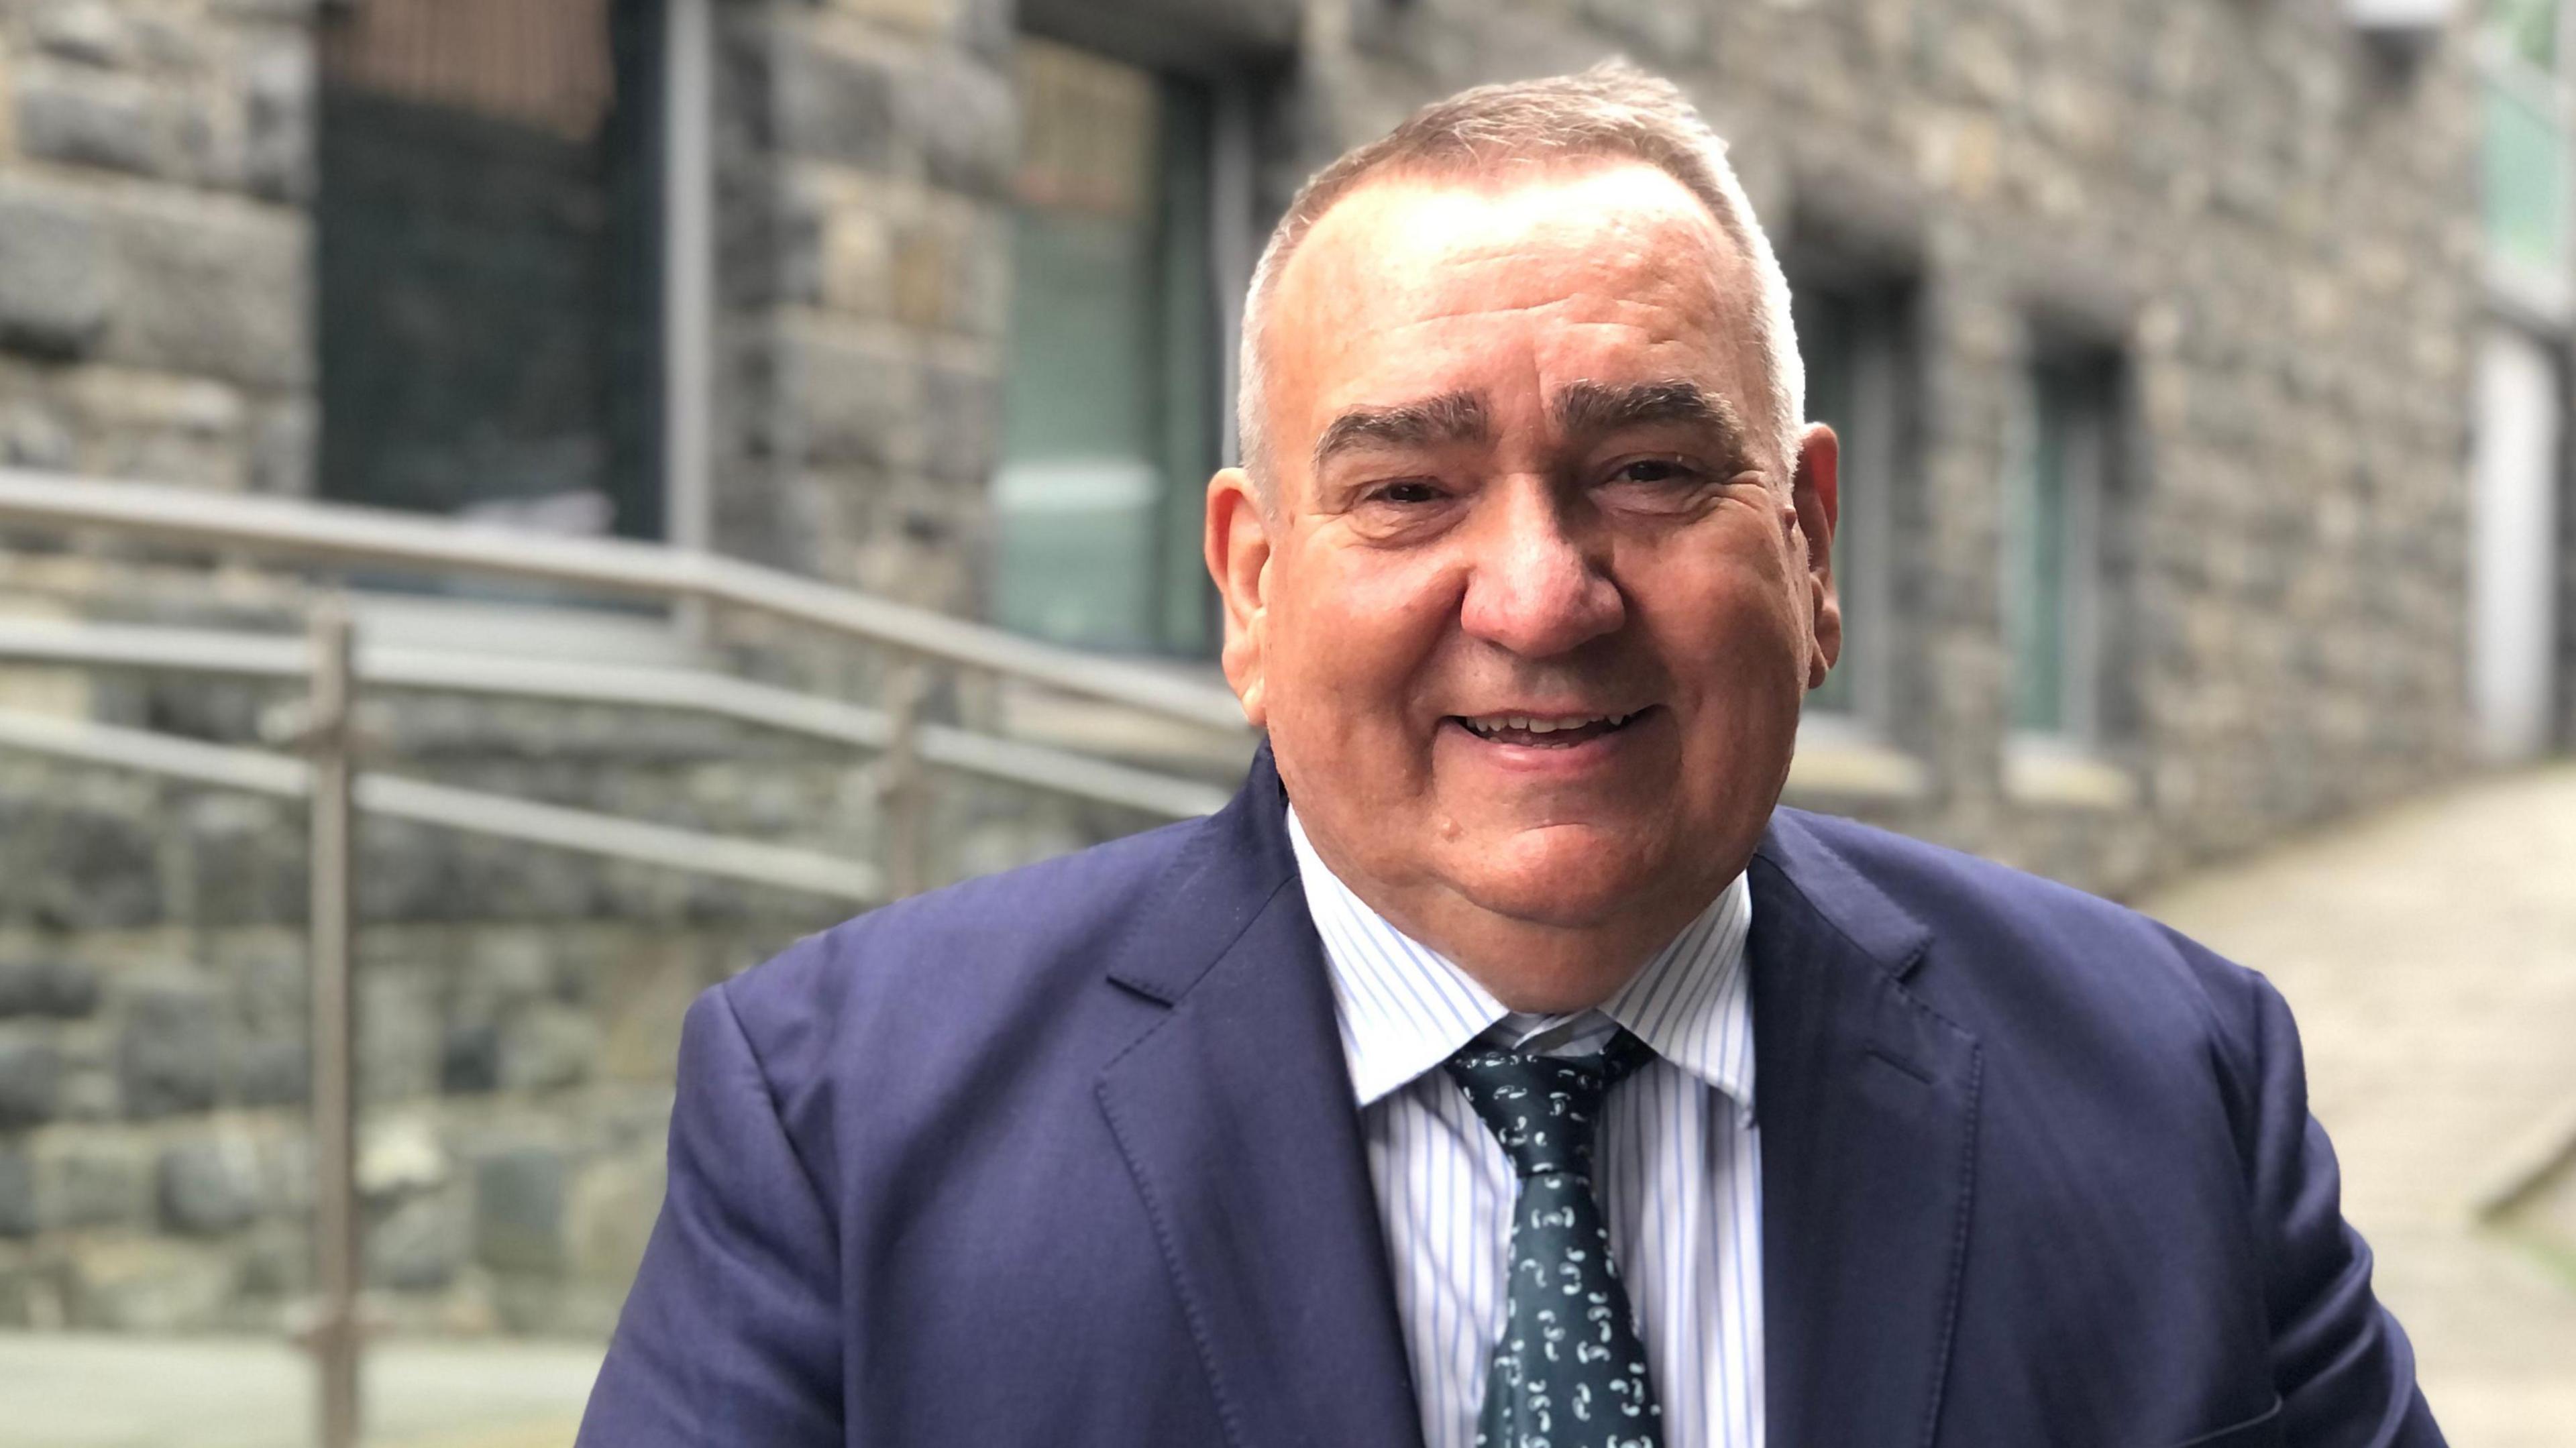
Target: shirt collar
(1403,1008)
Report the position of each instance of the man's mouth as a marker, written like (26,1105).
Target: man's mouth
(1544,731)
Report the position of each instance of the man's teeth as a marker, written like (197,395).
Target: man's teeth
(1499,723)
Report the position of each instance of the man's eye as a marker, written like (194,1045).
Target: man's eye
(1652,471)
(1409,491)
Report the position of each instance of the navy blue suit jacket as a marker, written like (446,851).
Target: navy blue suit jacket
(1068,1156)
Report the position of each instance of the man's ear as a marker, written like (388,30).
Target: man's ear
(1238,558)
(1816,492)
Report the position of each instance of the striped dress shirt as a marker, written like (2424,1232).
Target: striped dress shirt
(1678,1161)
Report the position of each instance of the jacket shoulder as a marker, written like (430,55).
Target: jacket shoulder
(962,960)
(2012,947)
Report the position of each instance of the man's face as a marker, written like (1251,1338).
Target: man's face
(1532,600)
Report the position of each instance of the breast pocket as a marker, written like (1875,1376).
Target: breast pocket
(2258,1432)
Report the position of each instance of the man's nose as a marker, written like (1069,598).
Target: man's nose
(1538,587)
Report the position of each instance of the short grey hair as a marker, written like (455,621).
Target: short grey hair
(1613,110)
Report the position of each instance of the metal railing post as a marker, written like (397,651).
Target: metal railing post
(901,788)
(330,740)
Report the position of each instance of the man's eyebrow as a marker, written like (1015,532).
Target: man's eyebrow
(1586,409)
(1449,417)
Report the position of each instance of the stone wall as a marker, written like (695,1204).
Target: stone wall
(155,1174)
(153,166)
(865,150)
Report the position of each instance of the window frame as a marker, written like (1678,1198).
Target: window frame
(2545,290)
(1221,97)
(1880,454)
(2089,482)
(643,60)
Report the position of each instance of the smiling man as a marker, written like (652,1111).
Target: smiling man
(1503,1067)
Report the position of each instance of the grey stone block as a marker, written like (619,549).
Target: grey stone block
(547,1048)
(169,41)
(103,121)
(246,865)
(852,402)
(1659,28)
(834,107)
(217,293)
(419,1246)
(967,121)
(32,435)
(47,986)
(273,1073)
(277,138)
(208,1187)
(55,292)
(276,1262)
(962,413)
(88,31)
(614,1202)
(469,1058)
(169,1058)
(284,444)
(988,27)
(150,1285)
(31,1074)
(519,1211)
(97,1184)
(75,867)
(281,12)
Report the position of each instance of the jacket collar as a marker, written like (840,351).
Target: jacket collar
(1869,1128)
(1234,1114)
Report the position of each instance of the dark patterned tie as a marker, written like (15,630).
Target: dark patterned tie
(1568,1371)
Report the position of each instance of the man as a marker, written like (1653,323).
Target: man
(1501,1066)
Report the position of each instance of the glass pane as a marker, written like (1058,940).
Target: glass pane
(1828,343)
(485,258)
(2524,181)
(2035,560)
(2529,29)
(1108,398)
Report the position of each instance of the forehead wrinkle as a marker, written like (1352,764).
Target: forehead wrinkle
(1447,417)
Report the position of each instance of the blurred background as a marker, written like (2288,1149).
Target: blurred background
(756,446)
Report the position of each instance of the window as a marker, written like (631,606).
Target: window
(486,237)
(2527,108)
(1112,390)
(2060,475)
(1854,339)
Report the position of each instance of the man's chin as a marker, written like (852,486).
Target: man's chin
(1568,877)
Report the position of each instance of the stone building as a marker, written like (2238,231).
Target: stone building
(2149,326)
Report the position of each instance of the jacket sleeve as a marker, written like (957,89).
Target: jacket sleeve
(731,1334)
(2343,1367)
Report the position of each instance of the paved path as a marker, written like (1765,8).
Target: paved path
(2430,955)
(62,1390)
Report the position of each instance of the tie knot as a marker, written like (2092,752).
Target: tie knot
(1544,1109)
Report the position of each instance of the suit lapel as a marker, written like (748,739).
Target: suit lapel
(1867,1104)
(1234,1113)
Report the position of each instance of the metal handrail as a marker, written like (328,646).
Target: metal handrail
(345,534)
(471,811)
(278,657)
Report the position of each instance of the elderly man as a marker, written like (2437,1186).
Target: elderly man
(1502,1067)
